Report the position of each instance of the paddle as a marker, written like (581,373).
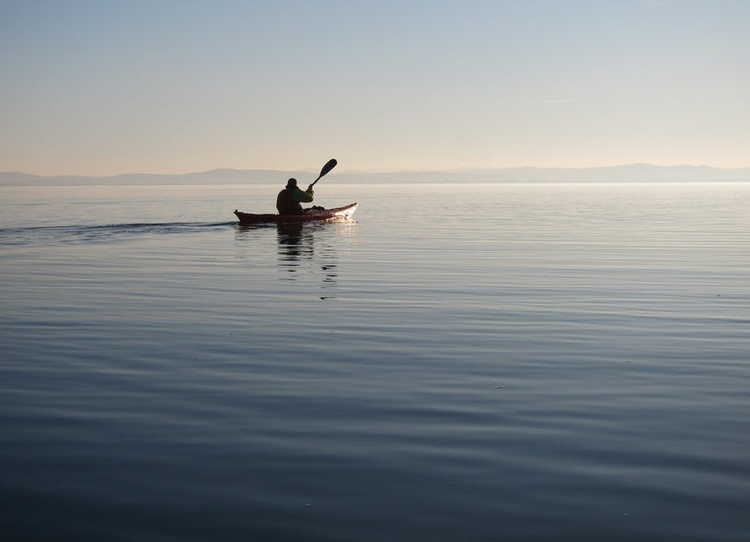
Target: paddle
(326,168)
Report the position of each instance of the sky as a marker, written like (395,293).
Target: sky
(105,87)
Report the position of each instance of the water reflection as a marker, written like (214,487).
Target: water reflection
(305,251)
(295,243)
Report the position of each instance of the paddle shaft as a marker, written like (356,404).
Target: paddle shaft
(326,168)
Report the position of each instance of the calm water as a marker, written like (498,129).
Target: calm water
(482,362)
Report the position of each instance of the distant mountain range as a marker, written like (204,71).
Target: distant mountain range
(624,173)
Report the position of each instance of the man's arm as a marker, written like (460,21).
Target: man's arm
(306,196)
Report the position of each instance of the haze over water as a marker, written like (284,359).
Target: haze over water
(461,362)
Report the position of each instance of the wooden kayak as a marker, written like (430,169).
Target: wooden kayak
(308,216)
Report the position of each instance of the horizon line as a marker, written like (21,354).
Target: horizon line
(382,171)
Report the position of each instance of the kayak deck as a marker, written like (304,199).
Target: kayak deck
(309,216)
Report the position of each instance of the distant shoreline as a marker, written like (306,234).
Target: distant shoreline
(635,173)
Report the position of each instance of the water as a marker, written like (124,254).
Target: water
(479,362)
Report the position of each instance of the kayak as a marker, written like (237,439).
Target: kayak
(308,216)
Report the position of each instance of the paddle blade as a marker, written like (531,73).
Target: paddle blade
(328,167)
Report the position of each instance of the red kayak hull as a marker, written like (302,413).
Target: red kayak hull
(309,216)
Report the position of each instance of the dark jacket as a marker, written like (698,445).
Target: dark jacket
(288,202)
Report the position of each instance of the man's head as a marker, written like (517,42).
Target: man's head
(291,183)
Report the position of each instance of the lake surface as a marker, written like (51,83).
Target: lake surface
(461,362)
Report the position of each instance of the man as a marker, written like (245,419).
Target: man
(289,200)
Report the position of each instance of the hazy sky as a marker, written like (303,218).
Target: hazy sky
(172,86)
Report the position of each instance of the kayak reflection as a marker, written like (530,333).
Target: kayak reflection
(306,253)
(297,253)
